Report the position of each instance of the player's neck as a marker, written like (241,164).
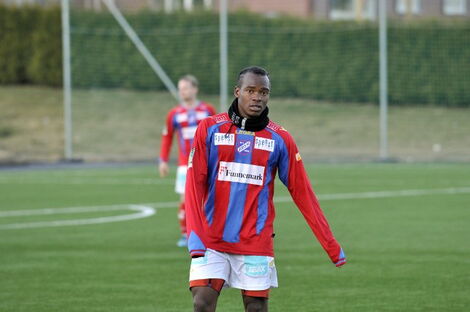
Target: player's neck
(190,104)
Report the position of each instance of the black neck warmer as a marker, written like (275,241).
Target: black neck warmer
(249,124)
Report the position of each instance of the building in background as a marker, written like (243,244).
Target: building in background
(354,9)
(316,9)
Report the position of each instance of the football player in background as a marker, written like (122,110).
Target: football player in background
(182,120)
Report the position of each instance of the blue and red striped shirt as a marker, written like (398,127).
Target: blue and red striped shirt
(183,121)
(230,189)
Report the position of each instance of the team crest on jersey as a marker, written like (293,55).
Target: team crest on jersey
(297,157)
(244,146)
(224,139)
(264,144)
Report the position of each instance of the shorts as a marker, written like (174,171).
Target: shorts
(181,179)
(238,271)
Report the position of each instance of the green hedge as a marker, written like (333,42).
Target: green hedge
(428,60)
(30,46)
(16,28)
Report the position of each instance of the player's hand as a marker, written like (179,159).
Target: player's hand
(164,169)
(341,259)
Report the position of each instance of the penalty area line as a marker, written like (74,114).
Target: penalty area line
(140,211)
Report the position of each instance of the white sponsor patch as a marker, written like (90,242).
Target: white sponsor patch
(188,132)
(181,117)
(264,144)
(224,139)
(201,115)
(242,173)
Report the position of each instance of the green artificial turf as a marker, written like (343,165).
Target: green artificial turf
(406,252)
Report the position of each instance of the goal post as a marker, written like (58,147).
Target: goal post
(358,88)
(151,60)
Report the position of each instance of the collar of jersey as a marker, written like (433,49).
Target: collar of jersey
(249,124)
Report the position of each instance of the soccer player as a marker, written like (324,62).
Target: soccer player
(229,198)
(182,119)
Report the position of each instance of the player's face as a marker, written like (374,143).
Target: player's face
(253,95)
(187,91)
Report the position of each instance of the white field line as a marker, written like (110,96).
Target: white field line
(147,209)
(385,194)
(78,173)
(359,195)
(141,212)
(86,180)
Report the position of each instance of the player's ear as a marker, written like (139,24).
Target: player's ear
(236,91)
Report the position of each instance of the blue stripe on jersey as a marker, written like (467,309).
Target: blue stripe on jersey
(236,207)
(181,141)
(212,164)
(192,121)
(263,204)
(177,127)
(283,163)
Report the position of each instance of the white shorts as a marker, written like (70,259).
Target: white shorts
(238,271)
(180,179)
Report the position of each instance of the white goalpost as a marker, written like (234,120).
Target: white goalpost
(67,84)
(145,53)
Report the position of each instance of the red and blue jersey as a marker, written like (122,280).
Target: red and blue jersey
(184,122)
(230,188)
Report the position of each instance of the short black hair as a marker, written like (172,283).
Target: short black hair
(251,69)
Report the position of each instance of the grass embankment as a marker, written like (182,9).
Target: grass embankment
(126,125)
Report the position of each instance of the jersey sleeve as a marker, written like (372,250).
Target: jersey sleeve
(195,192)
(167,138)
(292,173)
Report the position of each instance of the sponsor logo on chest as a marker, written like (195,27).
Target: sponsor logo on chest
(264,144)
(244,146)
(191,117)
(224,139)
(241,173)
(188,132)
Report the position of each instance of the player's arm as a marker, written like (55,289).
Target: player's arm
(292,173)
(167,139)
(195,192)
